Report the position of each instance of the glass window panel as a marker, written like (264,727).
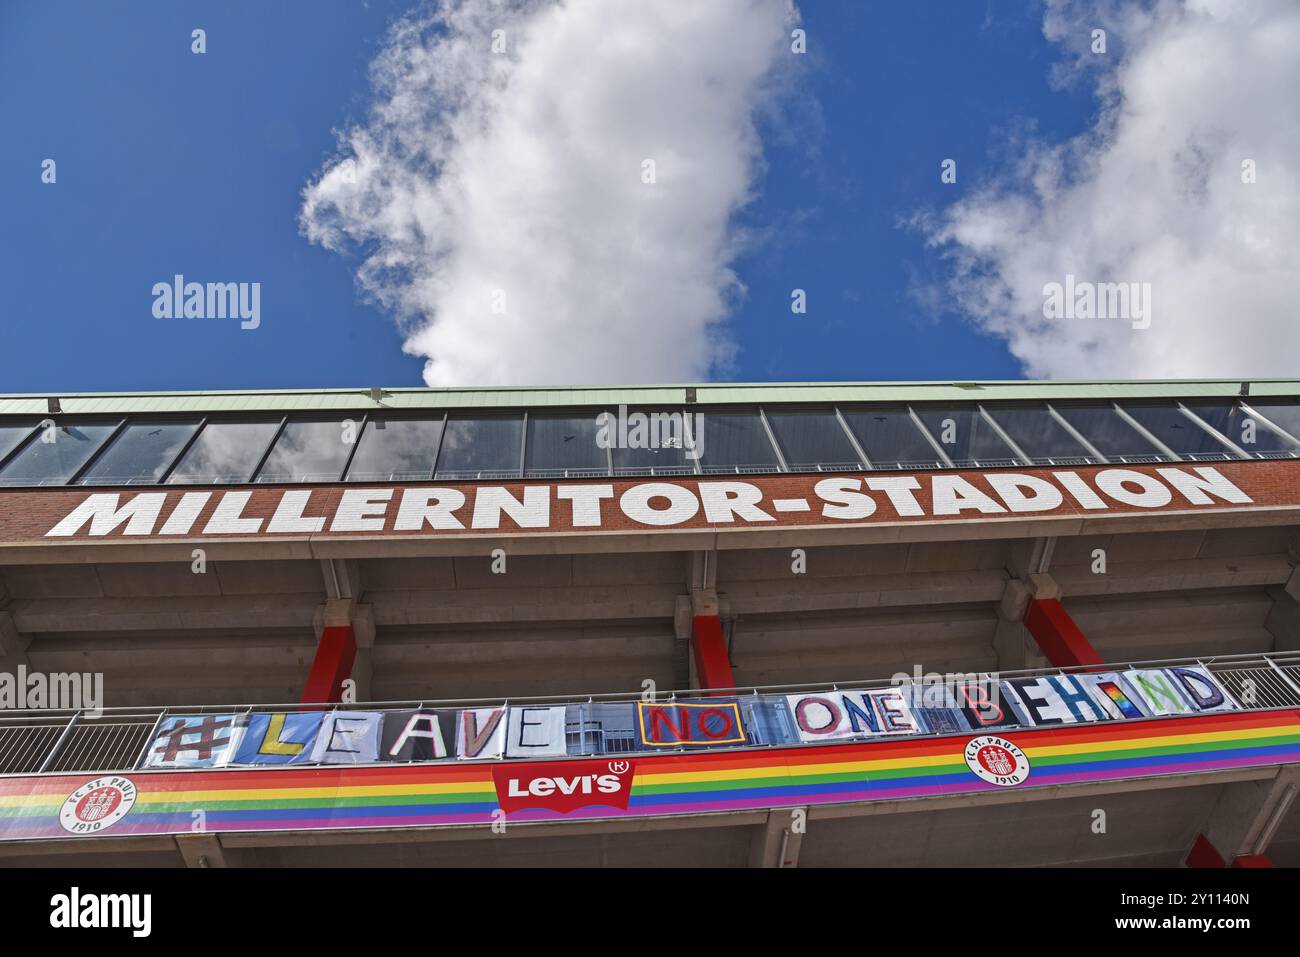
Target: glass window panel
(1239,426)
(1177,431)
(972,439)
(225,453)
(735,442)
(54,462)
(481,448)
(311,450)
(890,438)
(1039,435)
(396,450)
(11,433)
(140,454)
(812,439)
(1282,412)
(1110,435)
(563,444)
(650,442)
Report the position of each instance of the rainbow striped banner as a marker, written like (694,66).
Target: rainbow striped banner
(424,795)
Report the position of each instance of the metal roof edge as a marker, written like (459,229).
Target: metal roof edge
(413,397)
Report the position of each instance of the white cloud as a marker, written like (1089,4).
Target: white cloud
(1153,192)
(519,176)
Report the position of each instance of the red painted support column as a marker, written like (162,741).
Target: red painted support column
(1203,854)
(1057,634)
(1252,860)
(335,653)
(709,646)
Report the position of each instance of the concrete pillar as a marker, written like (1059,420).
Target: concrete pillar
(1015,647)
(1283,621)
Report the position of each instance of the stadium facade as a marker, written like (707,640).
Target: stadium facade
(974,623)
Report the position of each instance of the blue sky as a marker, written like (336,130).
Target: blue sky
(173,162)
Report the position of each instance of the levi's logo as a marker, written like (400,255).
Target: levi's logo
(563,786)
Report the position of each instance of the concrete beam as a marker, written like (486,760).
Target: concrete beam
(174,614)
(13,644)
(1248,814)
(777,840)
(1130,578)
(201,850)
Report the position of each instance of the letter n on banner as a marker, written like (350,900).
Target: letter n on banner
(690,724)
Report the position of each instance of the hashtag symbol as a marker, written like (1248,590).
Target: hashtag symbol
(206,729)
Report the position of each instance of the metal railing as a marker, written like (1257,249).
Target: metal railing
(117,739)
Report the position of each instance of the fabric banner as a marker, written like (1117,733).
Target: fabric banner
(1200,688)
(1113,694)
(1056,699)
(534,731)
(193,741)
(984,705)
(348,737)
(832,714)
(893,711)
(658,784)
(481,733)
(595,728)
(423,735)
(851,714)
(277,738)
(712,723)
(935,708)
(1157,691)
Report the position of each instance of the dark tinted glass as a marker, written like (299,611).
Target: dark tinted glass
(890,438)
(965,436)
(1177,431)
(1285,414)
(651,442)
(225,453)
(1038,434)
(12,433)
(735,442)
(140,454)
(1111,435)
(1246,430)
(311,450)
(486,447)
(54,454)
(560,445)
(812,440)
(396,450)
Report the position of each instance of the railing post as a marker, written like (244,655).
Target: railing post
(153,732)
(58,745)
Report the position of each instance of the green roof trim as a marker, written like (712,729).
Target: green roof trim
(767,393)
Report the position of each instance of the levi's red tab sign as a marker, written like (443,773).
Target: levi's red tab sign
(563,786)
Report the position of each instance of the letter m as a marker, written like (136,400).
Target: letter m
(140,515)
(223,300)
(1116,299)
